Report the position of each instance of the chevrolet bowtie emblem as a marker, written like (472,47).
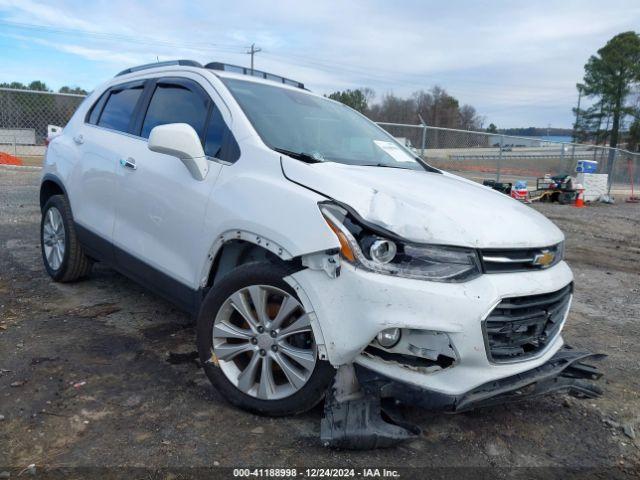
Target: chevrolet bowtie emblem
(544,259)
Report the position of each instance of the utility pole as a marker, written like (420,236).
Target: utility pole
(575,128)
(252,51)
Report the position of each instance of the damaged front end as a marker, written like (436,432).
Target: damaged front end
(443,326)
(354,419)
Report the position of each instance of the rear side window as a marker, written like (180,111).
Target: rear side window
(175,104)
(119,108)
(96,109)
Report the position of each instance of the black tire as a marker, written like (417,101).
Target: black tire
(75,264)
(256,273)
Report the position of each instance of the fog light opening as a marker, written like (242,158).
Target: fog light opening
(389,337)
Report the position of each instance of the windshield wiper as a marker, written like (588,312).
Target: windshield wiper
(385,165)
(305,157)
(426,166)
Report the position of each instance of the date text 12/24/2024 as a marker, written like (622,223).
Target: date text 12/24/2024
(315,473)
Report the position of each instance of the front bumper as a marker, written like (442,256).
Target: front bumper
(564,372)
(349,311)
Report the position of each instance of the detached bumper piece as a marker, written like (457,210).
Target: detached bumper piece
(565,372)
(354,419)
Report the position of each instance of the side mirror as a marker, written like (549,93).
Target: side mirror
(182,141)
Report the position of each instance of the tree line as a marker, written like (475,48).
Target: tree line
(39,86)
(434,107)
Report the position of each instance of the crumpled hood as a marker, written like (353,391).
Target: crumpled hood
(428,207)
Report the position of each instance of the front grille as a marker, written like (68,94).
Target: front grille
(518,260)
(520,327)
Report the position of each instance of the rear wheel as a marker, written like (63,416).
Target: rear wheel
(62,254)
(256,343)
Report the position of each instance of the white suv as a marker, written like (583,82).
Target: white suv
(305,238)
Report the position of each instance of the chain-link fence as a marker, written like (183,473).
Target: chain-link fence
(493,156)
(26,119)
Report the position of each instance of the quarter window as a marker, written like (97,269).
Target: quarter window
(175,104)
(215,134)
(119,108)
(219,141)
(97,108)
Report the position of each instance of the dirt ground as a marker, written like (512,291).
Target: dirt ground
(102,374)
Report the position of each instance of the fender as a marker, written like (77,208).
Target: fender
(50,177)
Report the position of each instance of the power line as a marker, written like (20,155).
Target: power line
(383,76)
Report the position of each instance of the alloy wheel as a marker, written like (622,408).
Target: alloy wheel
(263,342)
(54,238)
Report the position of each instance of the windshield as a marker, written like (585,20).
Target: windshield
(316,129)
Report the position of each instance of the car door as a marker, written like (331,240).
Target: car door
(94,180)
(160,206)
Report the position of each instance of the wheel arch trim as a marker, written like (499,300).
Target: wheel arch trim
(244,235)
(283,254)
(50,177)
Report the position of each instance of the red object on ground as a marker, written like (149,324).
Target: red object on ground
(520,194)
(579,203)
(6,159)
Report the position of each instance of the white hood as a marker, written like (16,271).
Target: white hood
(427,207)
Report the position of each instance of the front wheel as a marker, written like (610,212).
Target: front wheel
(256,343)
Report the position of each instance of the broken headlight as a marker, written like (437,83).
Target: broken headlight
(375,250)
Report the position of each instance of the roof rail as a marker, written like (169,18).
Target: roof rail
(254,73)
(184,63)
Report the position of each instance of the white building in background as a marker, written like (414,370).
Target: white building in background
(494,141)
(17,136)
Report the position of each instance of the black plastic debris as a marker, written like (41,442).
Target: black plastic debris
(354,419)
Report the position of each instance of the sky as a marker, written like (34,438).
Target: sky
(516,62)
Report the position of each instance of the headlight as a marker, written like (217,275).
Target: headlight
(376,252)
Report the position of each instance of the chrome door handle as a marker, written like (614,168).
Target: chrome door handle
(128,163)
(79,139)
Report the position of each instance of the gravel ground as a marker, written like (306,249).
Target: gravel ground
(102,373)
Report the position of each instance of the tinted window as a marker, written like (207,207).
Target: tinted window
(297,121)
(215,134)
(219,141)
(97,108)
(120,105)
(175,104)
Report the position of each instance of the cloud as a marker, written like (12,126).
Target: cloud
(500,56)
(37,12)
(103,55)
